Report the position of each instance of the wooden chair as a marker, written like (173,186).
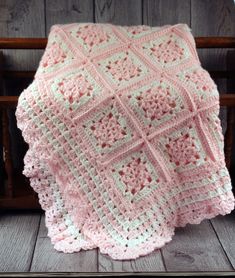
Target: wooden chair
(15,192)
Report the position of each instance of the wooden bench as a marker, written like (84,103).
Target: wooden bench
(15,192)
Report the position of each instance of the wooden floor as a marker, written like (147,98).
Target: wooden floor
(25,247)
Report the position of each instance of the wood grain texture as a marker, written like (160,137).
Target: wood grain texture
(47,259)
(11,101)
(214,18)
(225,230)
(22,18)
(161,12)
(218,22)
(150,263)
(18,234)
(68,11)
(121,12)
(195,248)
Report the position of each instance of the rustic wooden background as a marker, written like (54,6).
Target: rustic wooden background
(33,18)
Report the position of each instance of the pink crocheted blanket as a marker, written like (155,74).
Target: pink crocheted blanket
(125,142)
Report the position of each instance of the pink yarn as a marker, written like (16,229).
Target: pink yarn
(125,142)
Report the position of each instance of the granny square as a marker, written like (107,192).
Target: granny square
(125,140)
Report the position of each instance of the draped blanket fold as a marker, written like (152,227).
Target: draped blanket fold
(125,142)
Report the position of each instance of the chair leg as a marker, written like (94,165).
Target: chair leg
(229,136)
(7,154)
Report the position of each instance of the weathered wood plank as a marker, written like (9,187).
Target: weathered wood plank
(40,43)
(220,21)
(161,12)
(120,12)
(47,259)
(22,18)
(195,248)
(68,11)
(150,263)
(225,230)
(18,233)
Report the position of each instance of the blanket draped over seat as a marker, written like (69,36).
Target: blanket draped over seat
(125,140)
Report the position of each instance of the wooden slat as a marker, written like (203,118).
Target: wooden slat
(30,74)
(227,100)
(18,74)
(150,263)
(64,11)
(47,259)
(20,202)
(20,18)
(215,42)
(8,101)
(195,248)
(225,230)
(119,11)
(23,43)
(161,12)
(40,43)
(11,101)
(222,74)
(18,232)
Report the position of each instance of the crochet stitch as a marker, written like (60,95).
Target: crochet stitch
(125,142)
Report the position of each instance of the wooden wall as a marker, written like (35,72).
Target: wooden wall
(33,18)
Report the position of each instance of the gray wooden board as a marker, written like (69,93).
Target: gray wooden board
(225,229)
(213,18)
(195,248)
(220,21)
(47,259)
(149,263)
(22,18)
(18,233)
(120,12)
(68,11)
(161,12)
